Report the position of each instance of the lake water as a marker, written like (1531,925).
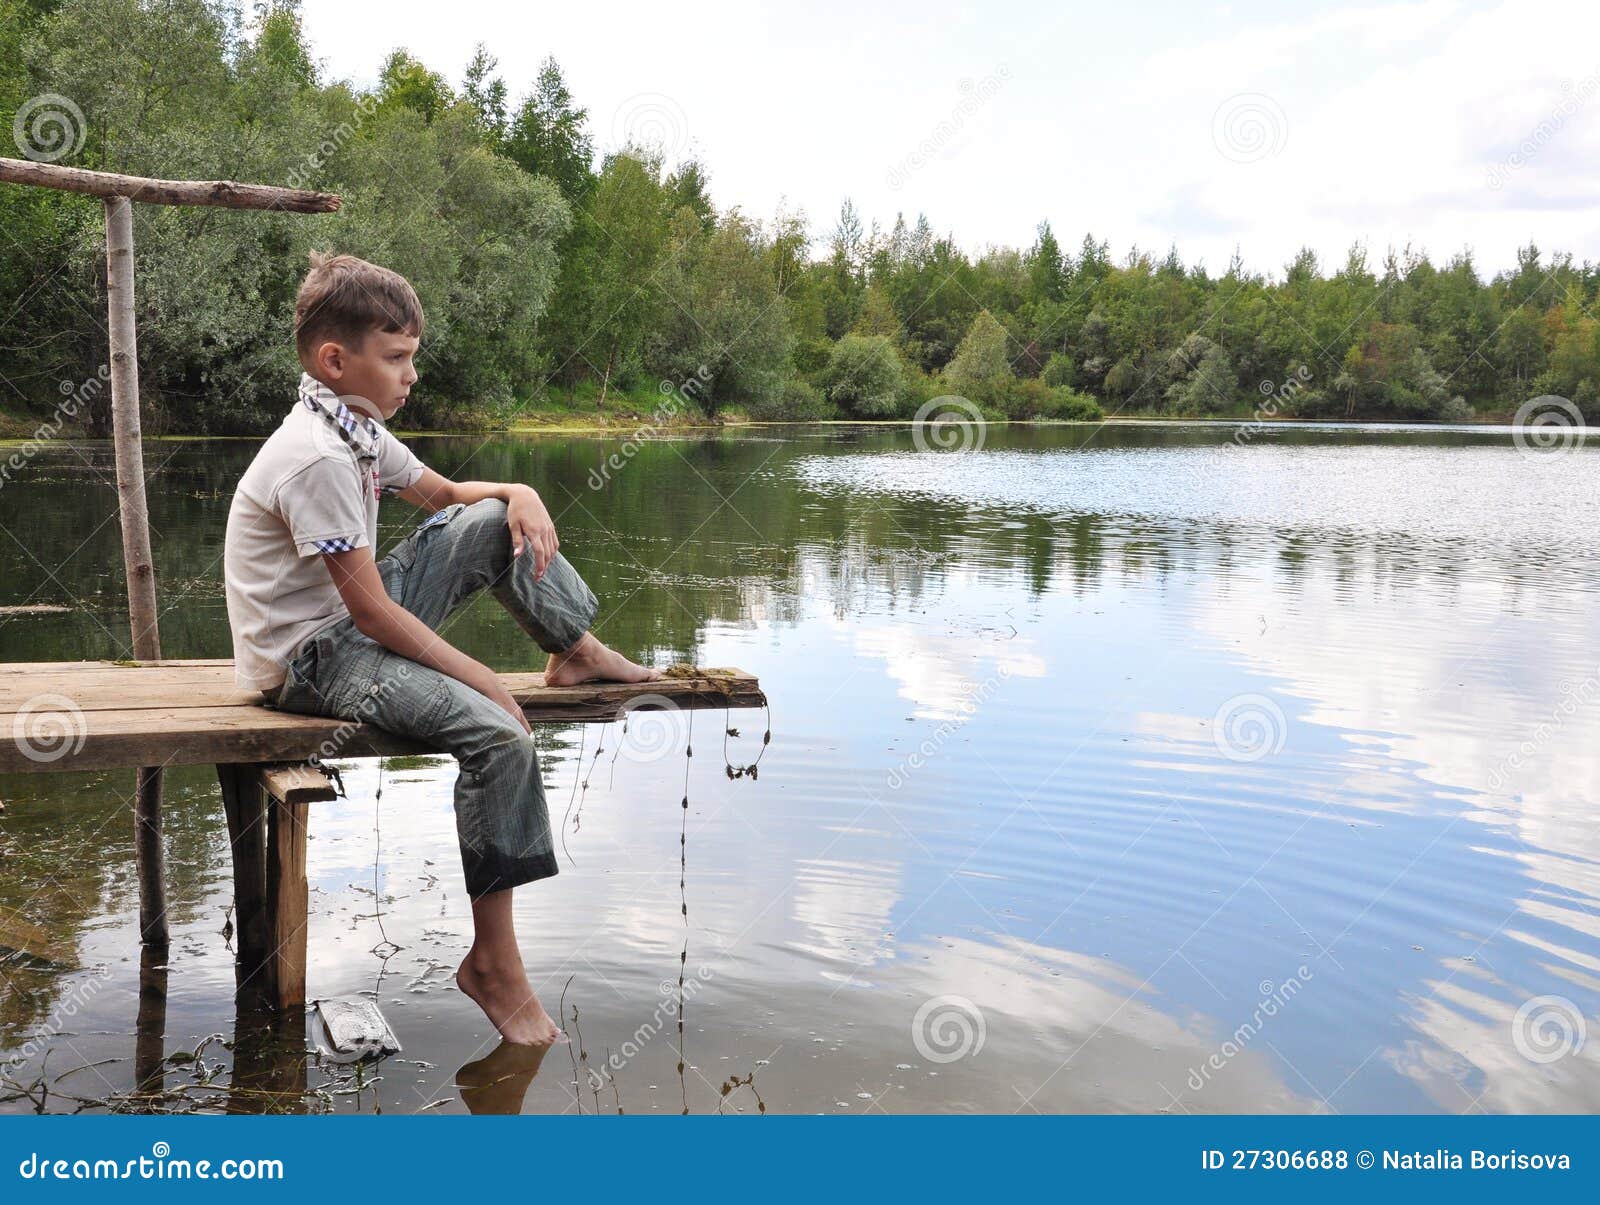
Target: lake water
(1131,769)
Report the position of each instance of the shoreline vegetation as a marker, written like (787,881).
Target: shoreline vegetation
(15,431)
(568,289)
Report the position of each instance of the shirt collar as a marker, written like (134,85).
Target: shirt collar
(363,428)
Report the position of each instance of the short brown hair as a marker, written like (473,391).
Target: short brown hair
(344,299)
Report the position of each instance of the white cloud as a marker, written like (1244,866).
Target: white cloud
(1394,113)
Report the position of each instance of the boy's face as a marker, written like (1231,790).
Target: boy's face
(379,369)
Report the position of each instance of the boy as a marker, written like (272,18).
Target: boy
(320,627)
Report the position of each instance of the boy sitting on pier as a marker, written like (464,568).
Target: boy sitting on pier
(320,627)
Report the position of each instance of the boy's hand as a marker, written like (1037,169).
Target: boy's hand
(531,527)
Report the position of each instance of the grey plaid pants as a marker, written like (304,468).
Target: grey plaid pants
(502,821)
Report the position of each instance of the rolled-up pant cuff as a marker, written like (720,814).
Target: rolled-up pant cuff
(491,872)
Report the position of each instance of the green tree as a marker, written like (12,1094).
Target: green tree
(405,82)
(981,365)
(1047,275)
(863,376)
(628,232)
(549,135)
(485,93)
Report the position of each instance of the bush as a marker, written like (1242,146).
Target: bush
(811,355)
(1070,405)
(1018,399)
(863,376)
(1029,399)
(795,401)
(1059,370)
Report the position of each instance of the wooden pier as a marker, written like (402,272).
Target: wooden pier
(102,715)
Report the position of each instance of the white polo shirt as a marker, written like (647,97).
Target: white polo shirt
(307,492)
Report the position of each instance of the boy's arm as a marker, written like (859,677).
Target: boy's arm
(380,618)
(526,515)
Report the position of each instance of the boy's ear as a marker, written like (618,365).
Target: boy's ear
(329,359)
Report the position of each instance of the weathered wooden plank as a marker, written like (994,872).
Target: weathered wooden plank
(298,784)
(244,800)
(288,896)
(100,688)
(33,665)
(87,732)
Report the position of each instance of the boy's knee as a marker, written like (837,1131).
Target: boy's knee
(486,511)
(503,749)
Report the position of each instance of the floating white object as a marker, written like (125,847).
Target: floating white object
(353,1029)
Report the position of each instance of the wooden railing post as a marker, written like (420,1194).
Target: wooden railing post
(136,559)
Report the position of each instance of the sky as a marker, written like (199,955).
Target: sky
(1254,127)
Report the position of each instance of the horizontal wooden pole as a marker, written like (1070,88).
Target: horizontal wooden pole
(223,194)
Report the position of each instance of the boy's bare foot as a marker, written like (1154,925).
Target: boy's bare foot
(507,999)
(591,661)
